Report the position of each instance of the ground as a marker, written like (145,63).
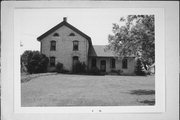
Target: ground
(52,89)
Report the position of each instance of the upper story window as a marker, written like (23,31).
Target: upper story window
(53,45)
(124,63)
(113,63)
(71,34)
(52,61)
(55,34)
(75,45)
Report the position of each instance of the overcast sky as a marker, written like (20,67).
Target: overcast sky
(96,23)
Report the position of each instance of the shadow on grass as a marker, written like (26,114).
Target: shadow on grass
(149,102)
(26,78)
(143,92)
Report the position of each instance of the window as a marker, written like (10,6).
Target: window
(124,63)
(93,62)
(113,63)
(103,65)
(56,35)
(53,46)
(52,61)
(71,34)
(75,45)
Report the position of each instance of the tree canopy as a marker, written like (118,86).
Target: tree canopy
(134,36)
(34,61)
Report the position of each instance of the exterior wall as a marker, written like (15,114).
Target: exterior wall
(130,68)
(152,69)
(64,47)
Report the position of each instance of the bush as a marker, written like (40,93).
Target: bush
(140,70)
(65,71)
(118,72)
(94,71)
(79,67)
(34,61)
(59,67)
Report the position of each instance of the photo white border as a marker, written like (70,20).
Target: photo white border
(10,56)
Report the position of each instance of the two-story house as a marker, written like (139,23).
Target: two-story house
(66,44)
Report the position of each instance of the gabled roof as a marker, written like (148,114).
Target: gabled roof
(60,25)
(98,51)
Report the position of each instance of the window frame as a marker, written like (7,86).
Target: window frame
(53,47)
(52,64)
(72,34)
(113,63)
(124,63)
(75,47)
(56,34)
(93,62)
(76,58)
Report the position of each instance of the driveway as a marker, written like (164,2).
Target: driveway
(86,90)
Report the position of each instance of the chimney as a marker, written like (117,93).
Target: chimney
(65,19)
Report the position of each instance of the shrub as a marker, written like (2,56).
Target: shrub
(34,61)
(59,67)
(65,71)
(140,70)
(79,67)
(119,72)
(94,71)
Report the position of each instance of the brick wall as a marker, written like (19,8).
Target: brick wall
(64,47)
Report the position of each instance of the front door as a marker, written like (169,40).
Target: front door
(103,66)
(75,61)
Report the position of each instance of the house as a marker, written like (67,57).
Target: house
(66,44)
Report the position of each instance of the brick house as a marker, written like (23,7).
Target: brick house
(66,44)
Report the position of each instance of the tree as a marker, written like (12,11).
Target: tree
(79,67)
(140,70)
(34,61)
(134,36)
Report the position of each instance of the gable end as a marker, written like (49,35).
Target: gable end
(60,25)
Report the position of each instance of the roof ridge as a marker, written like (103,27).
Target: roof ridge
(67,25)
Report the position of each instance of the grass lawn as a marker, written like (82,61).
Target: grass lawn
(85,90)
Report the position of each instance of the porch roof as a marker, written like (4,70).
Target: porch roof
(98,51)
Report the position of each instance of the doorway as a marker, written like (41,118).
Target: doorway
(75,61)
(103,66)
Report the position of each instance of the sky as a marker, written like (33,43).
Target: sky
(96,23)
